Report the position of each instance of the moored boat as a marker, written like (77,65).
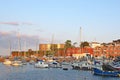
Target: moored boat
(112,65)
(66,66)
(17,63)
(55,65)
(7,62)
(83,65)
(103,69)
(41,64)
(97,71)
(31,62)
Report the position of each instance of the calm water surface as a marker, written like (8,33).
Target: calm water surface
(28,72)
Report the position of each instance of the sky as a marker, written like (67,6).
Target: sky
(27,23)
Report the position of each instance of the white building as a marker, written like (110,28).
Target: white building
(94,44)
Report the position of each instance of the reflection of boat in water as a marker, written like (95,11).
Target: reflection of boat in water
(7,62)
(41,64)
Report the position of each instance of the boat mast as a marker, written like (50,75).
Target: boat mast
(24,47)
(37,42)
(10,46)
(19,45)
(80,40)
(80,34)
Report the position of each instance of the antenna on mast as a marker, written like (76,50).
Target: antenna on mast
(80,34)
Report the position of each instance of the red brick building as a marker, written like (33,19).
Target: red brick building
(79,52)
(107,51)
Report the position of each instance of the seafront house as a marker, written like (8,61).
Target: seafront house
(95,49)
(108,49)
(78,52)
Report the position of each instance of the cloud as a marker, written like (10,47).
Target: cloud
(27,23)
(10,23)
(17,23)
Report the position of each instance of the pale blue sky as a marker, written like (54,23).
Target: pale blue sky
(99,19)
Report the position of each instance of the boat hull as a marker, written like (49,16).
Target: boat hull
(106,73)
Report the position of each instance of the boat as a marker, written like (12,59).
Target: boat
(108,67)
(7,62)
(76,66)
(55,64)
(31,62)
(100,72)
(17,63)
(83,65)
(41,64)
(24,62)
(102,69)
(112,66)
(66,65)
(115,65)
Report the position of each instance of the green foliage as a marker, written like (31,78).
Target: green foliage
(53,47)
(104,44)
(68,44)
(48,53)
(84,44)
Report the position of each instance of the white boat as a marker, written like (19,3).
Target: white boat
(31,62)
(115,65)
(17,63)
(55,64)
(66,66)
(7,62)
(24,62)
(83,65)
(75,65)
(41,64)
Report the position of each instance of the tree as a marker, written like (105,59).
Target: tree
(68,44)
(104,44)
(49,53)
(84,44)
(53,48)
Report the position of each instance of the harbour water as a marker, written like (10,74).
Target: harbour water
(29,72)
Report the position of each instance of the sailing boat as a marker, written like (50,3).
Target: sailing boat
(7,61)
(17,61)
